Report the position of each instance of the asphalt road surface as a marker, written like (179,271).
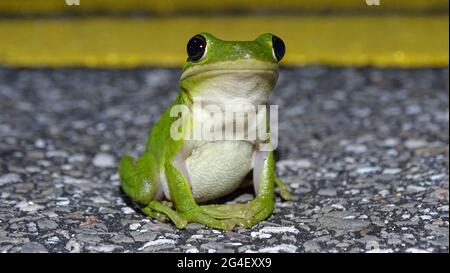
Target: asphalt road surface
(364,151)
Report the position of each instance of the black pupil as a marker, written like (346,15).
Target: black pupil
(196,47)
(278,47)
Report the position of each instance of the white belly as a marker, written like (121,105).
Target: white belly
(217,168)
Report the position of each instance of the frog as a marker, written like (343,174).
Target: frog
(177,179)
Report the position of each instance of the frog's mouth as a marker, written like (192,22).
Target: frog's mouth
(247,66)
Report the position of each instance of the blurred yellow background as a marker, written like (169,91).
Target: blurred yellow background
(154,33)
(173,6)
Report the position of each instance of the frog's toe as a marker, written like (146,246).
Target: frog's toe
(244,215)
(284,191)
(245,223)
(256,211)
(154,214)
(261,216)
(225,211)
(198,216)
(162,208)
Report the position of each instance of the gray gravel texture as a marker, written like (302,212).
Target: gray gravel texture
(364,151)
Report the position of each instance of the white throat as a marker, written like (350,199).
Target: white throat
(235,87)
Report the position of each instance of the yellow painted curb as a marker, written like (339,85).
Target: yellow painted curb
(173,6)
(412,41)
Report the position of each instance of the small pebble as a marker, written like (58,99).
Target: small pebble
(104,160)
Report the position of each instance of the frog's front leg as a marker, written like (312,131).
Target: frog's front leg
(185,204)
(264,182)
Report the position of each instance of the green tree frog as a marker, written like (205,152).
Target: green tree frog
(175,177)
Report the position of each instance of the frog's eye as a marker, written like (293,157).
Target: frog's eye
(278,48)
(196,48)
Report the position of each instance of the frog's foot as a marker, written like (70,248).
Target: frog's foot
(245,215)
(161,211)
(199,215)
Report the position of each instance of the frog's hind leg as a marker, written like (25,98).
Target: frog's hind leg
(139,182)
(138,177)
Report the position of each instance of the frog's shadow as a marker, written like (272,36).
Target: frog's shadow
(231,196)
